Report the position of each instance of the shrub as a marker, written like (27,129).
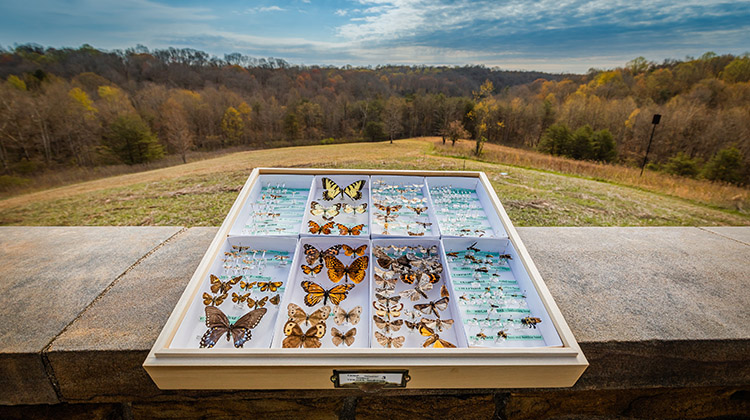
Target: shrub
(726,165)
(8,182)
(556,140)
(681,164)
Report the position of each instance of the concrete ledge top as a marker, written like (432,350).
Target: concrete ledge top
(651,307)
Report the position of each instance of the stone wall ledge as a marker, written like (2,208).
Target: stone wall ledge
(661,308)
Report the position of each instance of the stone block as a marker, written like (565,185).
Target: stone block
(49,275)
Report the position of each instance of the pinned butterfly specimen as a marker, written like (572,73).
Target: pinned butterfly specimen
(438,324)
(316,293)
(387,218)
(239,298)
(444,291)
(337,337)
(213,300)
(433,307)
(246,285)
(388,209)
(452,254)
(296,338)
(354,230)
(434,277)
(328,213)
(355,271)
(386,261)
(387,300)
(419,291)
(340,315)
(412,326)
(434,339)
(530,321)
(349,251)
(252,303)
(265,286)
(502,334)
(415,233)
(299,316)
(424,224)
(218,324)
(311,270)
(506,257)
(418,210)
(385,341)
(387,311)
(218,286)
(386,284)
(389,325)
(332,190)
(362,208)
(275,300)
(312,254)
(411,314)
(317,229)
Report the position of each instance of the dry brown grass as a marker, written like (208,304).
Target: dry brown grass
(721,195)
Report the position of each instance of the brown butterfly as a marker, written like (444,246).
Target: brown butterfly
(412,326)
(434,339)
(218,325)
(311,270)
(389,342)
(299,316)
(239,298)
(337,337)
(218,286)
(317,229)
(275,300)
(354,230)
(312,254)
(419,291)
(352,317)
(388,326)
(316,293)
(387,311)
(296,338)
(418,210)
(349,251)
(444,291)
(213,300)
(433,307)
(386,299)
(415,233)
(438,324)
(265,286)
(355,271)
(247,285)
(252,303)
(386,284)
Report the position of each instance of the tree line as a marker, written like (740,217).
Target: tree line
(88,107)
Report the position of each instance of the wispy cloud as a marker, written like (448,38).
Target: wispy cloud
(265,9)
(554,35)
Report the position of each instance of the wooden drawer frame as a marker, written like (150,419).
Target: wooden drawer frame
(270,368)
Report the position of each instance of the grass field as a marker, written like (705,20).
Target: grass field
(201,193)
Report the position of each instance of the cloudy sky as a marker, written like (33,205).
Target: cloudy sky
(548,35)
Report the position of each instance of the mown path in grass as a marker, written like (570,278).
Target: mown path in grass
(201,193)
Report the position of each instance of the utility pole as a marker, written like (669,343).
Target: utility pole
(655,122)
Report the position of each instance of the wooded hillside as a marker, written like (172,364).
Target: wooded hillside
(86,107)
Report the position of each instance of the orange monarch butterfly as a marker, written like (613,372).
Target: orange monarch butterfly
(355,272)
(316,293)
